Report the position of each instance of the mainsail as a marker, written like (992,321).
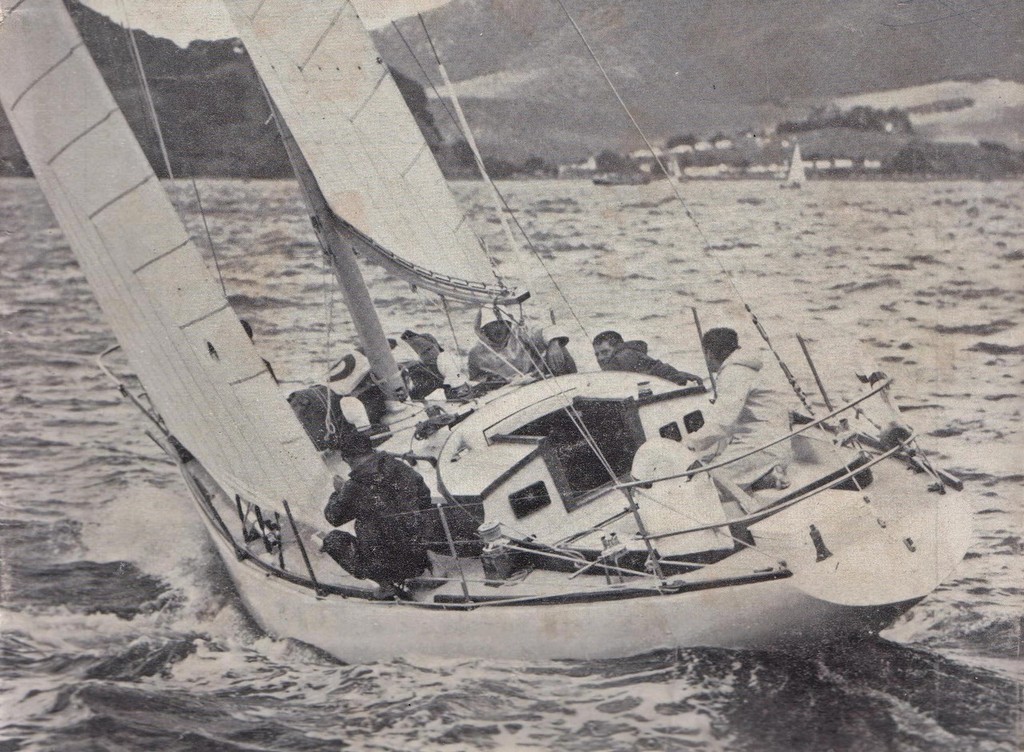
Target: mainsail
(372,163)
(181,336)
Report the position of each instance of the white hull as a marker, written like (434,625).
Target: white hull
(838,564)
(769,614)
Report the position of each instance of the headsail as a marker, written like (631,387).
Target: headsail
(181,336)
(362,143)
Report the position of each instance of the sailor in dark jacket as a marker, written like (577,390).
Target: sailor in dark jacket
(391,507)
(613,354)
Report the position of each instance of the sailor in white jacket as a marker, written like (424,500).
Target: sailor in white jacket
(745,415)
(509,351)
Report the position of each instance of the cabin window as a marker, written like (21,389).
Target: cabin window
(613,429)
(528,500)
(670,431)
(693,421)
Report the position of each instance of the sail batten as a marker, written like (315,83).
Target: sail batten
(362,144)
(180,335)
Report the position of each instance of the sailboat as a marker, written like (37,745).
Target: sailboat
(574,524)
(796,176)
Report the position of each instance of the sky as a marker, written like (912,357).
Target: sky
(184,20)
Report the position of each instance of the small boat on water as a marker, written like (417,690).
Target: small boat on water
(797,174)
(622,178)
(575,523)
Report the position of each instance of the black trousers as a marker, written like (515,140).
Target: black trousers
(391,565)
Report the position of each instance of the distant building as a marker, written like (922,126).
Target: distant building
(723,143)
(841,163)
(711,171)
(822,164)
(681,149)
(703,146)
(872,164)
(585,169)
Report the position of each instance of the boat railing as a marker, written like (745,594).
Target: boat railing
(902,449)
(748,519)
(689,473)
(135,399)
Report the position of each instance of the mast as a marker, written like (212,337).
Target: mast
(341,251)
(368,175)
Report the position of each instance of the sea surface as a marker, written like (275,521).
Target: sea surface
(121,631)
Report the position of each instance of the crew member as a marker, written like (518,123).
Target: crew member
(743,418)
(351,377)
(394,524)
(614,354)
(510,351)
(436,368)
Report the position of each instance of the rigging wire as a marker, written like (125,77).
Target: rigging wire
(451,324)
(467,133)
(325,277)
(686,208)
(140,71)
(209,238)
(508,211)
(539,364)
(491,260)
(463,126)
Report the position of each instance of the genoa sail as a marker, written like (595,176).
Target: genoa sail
(358,137)
(180,334)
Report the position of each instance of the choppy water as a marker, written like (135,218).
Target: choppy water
(120,628)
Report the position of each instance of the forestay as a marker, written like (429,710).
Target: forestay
(370,159)
(180,334)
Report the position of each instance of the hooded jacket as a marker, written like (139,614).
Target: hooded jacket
(527,352)
(632,356)
(394,519)
(745,415)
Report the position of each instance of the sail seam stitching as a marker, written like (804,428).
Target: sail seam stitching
(323,36)
(205,316)
(163,255)
(45,73)
(242,380)
(81,135)
(414,160)
(121,195)
(362,106)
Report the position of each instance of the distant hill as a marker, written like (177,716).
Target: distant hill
(964,111)
(212,113)
(530,88)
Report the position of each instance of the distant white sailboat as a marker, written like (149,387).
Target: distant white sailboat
(797,172)
(596,536)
